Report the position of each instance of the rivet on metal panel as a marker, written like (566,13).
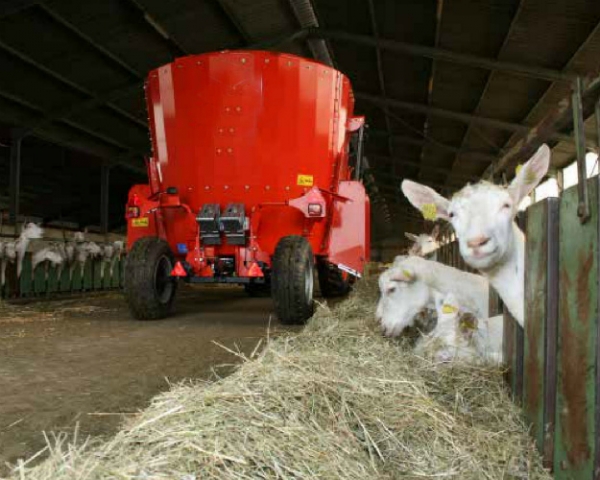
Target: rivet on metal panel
(231,130)
(230,151)
(226,187)
(198,62)
(289,64)
(267,187)
(219,151)
(287,188)
(238,109)
(206,187)
(247,187)
(221,130)
(227,109)
(267,60)
(243,60)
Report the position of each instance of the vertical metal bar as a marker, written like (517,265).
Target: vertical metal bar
(551,333)
(597,115)
(583,207)
(104,198)
(15,180)
(596,182)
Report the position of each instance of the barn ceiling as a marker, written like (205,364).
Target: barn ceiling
(449,88)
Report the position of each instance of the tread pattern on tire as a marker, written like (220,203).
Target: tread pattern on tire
(138,280)
(293,255)
(331,282)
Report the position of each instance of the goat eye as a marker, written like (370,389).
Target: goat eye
(506,205)
(451,214)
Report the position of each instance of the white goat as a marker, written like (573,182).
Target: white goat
(452,338)
(461,335)
(86,250)
(424,245)
(483,219)
(412,285)
(48,255)
(15,250)
(111,253)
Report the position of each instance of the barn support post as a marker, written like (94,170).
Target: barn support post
(541,318)
(583,207)
(15,179)
(104,197)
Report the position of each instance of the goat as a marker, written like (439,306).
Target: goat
(48,255)
(483,219)
(424,245)
(86,250)
(459,334)
(15,250)
(411,285)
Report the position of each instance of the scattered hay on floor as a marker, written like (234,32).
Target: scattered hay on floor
(336,401)
(40,309)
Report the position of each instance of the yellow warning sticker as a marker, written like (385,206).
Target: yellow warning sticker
(429,211)
(305,180)
(140,222)
(449,309)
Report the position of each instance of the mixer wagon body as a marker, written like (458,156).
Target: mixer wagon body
(250,172)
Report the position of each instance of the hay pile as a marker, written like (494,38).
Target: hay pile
(336,401)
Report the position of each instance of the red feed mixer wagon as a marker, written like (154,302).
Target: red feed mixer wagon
(253,180)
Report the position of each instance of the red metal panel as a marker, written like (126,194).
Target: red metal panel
(252,127)
(349,243)
(242,126)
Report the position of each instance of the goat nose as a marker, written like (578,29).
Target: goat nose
(478,241)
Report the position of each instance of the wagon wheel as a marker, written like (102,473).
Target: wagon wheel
(333,281)
(149,289)
(292,280)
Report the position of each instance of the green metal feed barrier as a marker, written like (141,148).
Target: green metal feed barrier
(553,366)
(37,284)
(555,371)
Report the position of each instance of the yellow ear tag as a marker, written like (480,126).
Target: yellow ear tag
(429,211)
(407,274)
(449,309)
(518,169)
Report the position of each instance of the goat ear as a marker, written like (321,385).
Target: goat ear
(530,174)
(411,236)
(403,274)
(423,197)
(435,232)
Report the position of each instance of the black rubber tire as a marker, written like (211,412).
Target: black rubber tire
(258,290)
(293,268)
(331,280)
(149,289)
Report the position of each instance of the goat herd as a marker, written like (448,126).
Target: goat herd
(483,218)
(68,253)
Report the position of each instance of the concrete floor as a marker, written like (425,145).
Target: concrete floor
(86,361)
